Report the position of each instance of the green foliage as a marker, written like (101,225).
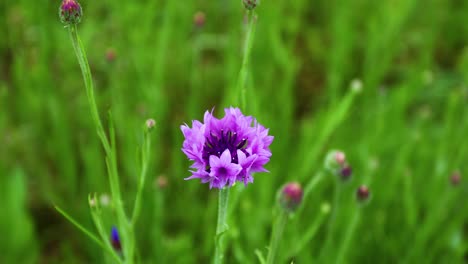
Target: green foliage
(404,134)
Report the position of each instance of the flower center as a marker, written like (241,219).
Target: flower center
(216,144)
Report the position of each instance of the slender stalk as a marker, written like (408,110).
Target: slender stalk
(332,222)
(309,233)
(276,235)
(241,83)
(348,236)
(85,70)
(221,225)
(108,144)
(89,234)
(145,153)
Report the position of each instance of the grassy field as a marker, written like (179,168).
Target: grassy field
(384,81)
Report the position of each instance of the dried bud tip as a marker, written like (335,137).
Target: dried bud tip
(362,193)
(110,54)
(70,12)
(455,179)
(250,4)
(115,239)
(199,19)
(150,123)
(161,182)
(291,196)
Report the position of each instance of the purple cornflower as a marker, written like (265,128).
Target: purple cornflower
(115,239)
(226,150)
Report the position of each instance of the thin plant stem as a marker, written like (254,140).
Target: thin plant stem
(348,236)
(309,233)
(145,154)
(88,233)
(332,222)
(109,145)
(222,226)
(276,235)
(247,47)
(85,70)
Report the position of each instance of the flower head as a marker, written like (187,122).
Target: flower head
(250,4)
(226,150)
(115,239)
(70,12)
(362,193)
(291,196)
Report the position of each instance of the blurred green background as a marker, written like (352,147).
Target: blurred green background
(405,134)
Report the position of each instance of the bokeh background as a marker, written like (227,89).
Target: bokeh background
(405,134)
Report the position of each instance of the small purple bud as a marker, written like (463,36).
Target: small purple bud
(70,12)
(199,19)
(250,4)
(291,196)
(362,193)
(115,239)
(455,179)
(346,172)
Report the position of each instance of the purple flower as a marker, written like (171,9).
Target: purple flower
(115,239)
(226,150)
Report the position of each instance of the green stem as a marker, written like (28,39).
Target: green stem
(348,236)
(276,235)
(241,83)
(145,153)
(88,233)
(109,145)
(222,226)
(332,223)
(85,70)
(309,233)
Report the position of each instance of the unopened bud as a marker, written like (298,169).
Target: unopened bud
(70,12)
(346,172)
(161,182)
(250,4)
(104,199)
(150,123)
(110,55)
(115,239)
(92,202)
(335,160)
(455,179)
(199,19)
(291,196)
(362,193)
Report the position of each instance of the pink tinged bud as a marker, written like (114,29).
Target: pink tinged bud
(250,4)
(150,123)
(335,161)
(110,55)
(291,196)
(70,12)
(199,19)
(362,193)
(161,182)
(455,179)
